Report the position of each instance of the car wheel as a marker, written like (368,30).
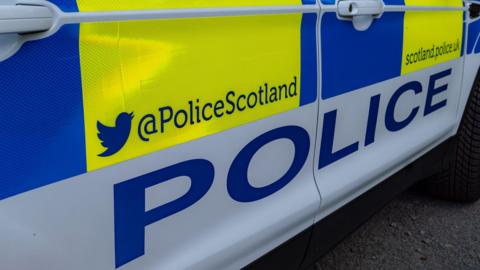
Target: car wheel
(460,180)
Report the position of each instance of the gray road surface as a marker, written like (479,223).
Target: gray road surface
(414,231)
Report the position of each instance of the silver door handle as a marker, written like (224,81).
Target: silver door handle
(360,12)
(351,8)
(22,19)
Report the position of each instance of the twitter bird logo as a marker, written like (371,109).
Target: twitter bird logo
(114,138)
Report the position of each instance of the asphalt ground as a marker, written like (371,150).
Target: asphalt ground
(414,231)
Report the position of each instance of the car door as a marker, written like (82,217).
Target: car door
(472,55)
(185,141)
(390,87)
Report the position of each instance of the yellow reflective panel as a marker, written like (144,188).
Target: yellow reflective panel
(106,5)
(184,79)
(435,3)
(431,38)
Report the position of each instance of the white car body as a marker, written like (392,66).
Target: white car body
(215,198)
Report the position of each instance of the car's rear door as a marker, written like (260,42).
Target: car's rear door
(180,143)
(389,90)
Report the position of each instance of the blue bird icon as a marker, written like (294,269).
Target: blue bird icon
(114,138)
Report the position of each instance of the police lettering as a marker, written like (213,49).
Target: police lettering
(129,196)
(392,124)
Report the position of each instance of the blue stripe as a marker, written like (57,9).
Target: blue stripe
(394,2)
(463,39)
(42,132)
(354,59)
(472,36)
(309,68)
(66,5)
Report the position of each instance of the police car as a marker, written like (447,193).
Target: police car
(204,134)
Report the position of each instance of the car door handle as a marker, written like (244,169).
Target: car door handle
(360,8)
(360,12)
(21,19)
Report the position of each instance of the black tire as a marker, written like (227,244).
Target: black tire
(460,179)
